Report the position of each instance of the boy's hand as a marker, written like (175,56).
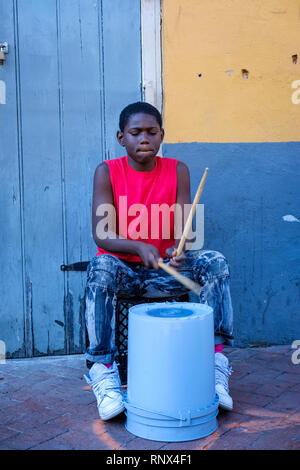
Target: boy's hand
(149,255)
(175,261)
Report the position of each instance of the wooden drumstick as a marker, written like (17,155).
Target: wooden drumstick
(183,279)
(188,223)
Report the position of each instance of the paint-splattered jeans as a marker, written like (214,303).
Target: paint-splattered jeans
(109,277)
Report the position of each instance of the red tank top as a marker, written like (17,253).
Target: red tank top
(144,203)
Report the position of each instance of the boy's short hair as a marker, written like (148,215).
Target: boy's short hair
(135,108)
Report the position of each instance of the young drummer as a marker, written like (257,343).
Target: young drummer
(126,193)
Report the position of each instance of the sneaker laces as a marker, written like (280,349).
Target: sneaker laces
(222,375)
(107,381)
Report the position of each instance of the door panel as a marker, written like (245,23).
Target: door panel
(12,312)
(67,79)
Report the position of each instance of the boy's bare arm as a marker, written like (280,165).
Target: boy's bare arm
(183,195)
(103,194)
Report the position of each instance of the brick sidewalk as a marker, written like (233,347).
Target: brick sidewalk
(45,403)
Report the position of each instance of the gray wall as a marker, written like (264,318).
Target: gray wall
(250,187)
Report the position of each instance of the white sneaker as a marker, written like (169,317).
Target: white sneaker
(222,371)
(106,386)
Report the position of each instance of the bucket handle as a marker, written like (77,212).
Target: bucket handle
(183,416)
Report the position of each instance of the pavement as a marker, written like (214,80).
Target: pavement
(45,404)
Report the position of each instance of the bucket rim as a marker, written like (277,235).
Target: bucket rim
(143,309)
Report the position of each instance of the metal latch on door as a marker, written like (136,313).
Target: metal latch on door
(3,52)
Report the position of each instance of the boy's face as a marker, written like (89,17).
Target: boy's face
(142,137)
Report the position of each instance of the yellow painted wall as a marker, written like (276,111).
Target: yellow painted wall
(214,37)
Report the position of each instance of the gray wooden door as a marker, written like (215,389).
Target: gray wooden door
(71,67)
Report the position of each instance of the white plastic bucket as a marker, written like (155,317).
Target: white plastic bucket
(170,372)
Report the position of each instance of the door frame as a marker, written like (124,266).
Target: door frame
(151,56)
